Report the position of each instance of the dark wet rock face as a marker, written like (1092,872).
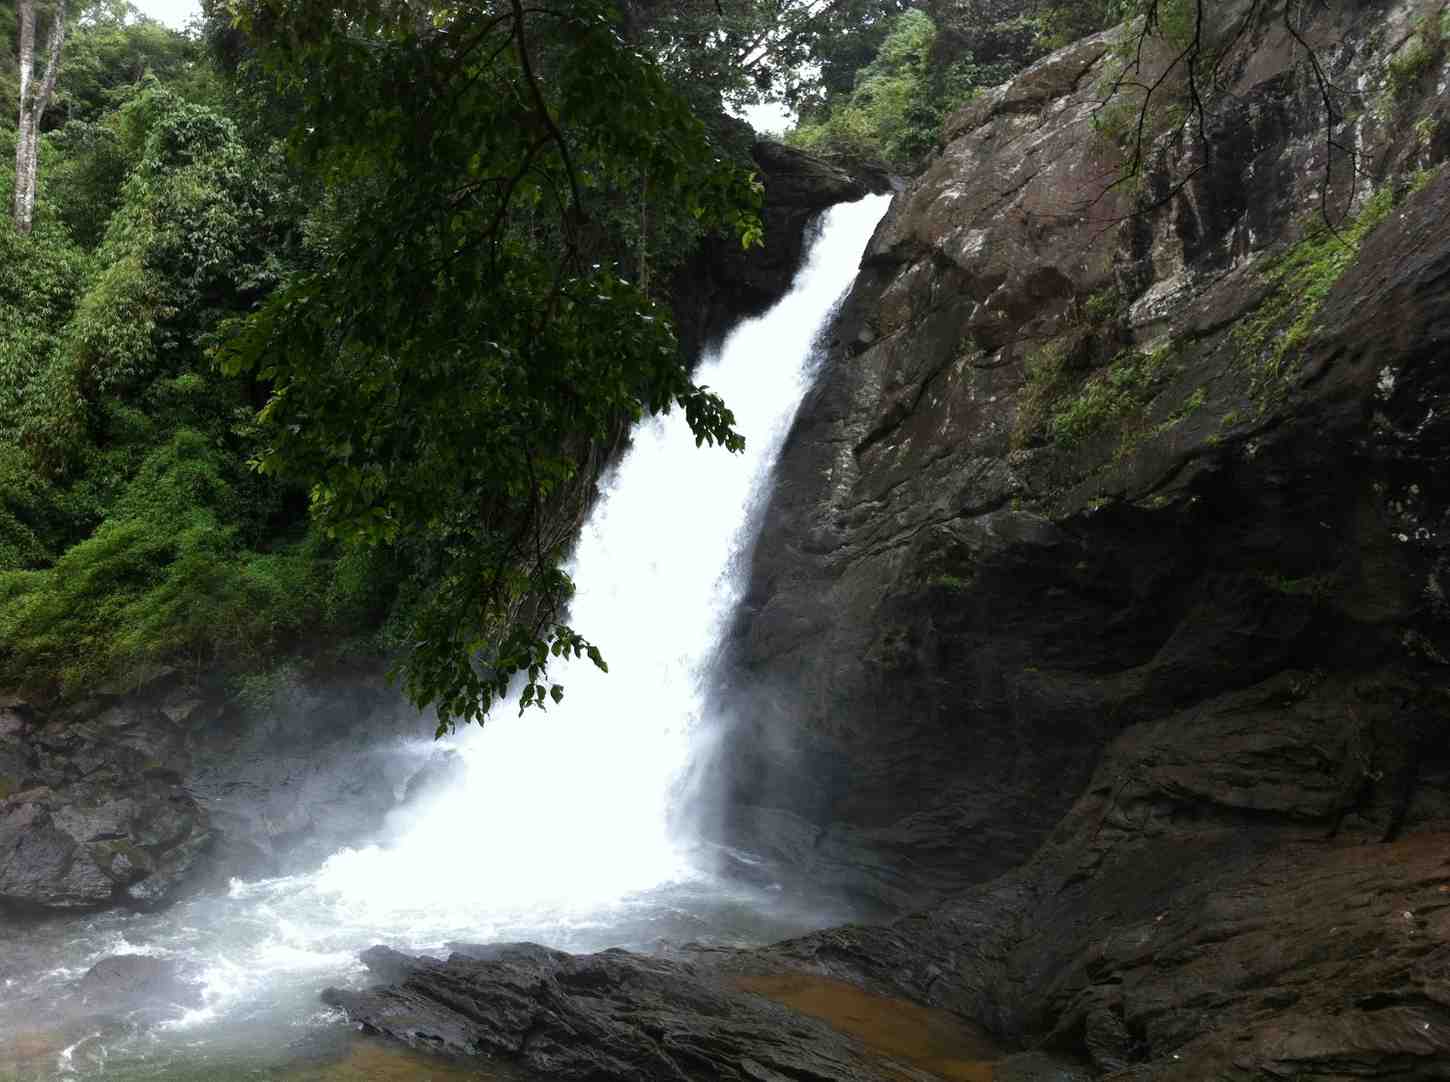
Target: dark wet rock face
(133,800)
(606,1016)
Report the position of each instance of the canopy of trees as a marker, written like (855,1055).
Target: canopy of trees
(324,316)
(341,377)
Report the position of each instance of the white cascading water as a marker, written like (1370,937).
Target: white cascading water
(559,828)
(571,808)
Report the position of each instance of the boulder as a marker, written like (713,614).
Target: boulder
(614,1015)
(126,982)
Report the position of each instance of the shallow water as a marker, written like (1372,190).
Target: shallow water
(562,828)
(261,956)
(936,1041)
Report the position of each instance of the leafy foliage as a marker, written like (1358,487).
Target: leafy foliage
(165,577)
(132,533)
(750,50)
(462,338)
(112,49)
(895,110)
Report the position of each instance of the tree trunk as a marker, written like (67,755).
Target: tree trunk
(34,97)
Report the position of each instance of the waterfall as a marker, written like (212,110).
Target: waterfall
(557,827)
(570,807)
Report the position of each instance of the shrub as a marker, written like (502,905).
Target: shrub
(165,577)
(895,111)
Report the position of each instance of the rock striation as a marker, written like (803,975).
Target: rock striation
(1099,618)
(1061,475)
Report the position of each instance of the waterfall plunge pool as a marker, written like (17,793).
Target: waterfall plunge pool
(563,828)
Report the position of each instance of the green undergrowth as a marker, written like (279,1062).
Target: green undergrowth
(168,577)
(894,113)
(1406,71)
(134,535)
(1114,398)
(1269,341)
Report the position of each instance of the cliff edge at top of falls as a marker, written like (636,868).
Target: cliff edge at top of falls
(723,283)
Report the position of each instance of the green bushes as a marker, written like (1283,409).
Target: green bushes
(894,113)
(40,279)
(164,577)
(133,532)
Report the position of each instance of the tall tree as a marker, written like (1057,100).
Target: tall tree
(35,95)
(466,342)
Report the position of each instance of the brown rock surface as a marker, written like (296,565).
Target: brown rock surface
(973,576)
(1102,627)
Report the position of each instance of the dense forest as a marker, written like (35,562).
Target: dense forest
(318,322)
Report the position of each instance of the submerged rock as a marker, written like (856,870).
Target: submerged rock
(132,981)
(442,771)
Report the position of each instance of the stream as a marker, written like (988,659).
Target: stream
(566,827)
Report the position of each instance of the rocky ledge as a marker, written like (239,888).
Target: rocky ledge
(706,1015)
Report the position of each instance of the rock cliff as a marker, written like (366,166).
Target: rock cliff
(1099,614)
(1088,454)
(1102,588)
